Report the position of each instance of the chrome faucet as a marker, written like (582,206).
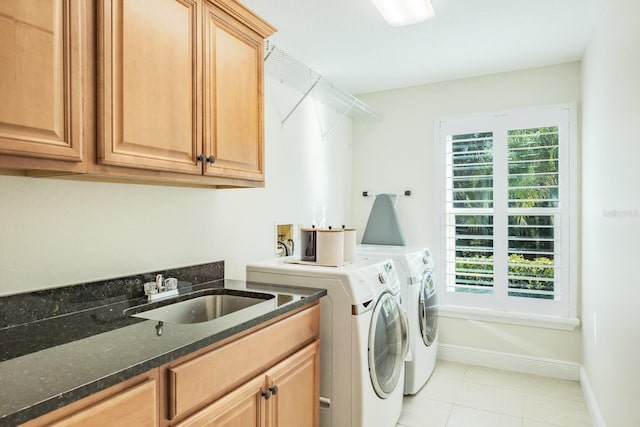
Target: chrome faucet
(159,283)
(161,288)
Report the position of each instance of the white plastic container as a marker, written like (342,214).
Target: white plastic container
(349,244)
(330,246)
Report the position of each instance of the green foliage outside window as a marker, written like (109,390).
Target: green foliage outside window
(525,274)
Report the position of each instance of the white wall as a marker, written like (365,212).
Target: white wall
(56,232)
(611,213)
(397,154)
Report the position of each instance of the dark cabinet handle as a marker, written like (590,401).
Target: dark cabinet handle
(266,394)
(211,159)
(202,158)
(274,390)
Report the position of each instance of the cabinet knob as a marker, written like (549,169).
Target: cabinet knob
(274,390)
(211,159)
(202,158)
(266,394)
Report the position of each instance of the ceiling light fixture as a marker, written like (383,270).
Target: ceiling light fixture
(404,12)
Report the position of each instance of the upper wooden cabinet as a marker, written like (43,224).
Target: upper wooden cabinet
(149,84)
(233,98)
(180,83)
(41,83)
(133,91)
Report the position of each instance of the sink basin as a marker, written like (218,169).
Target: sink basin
(216,304)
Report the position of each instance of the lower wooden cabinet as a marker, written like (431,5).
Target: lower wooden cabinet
(296,402)
(131,403)
(203,378)
(287,395)
(136,406)
(270,377)
(266,377)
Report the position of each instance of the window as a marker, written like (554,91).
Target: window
(507,210)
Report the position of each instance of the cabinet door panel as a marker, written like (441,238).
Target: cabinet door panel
(41,84)
(296,404)
(233,98)
(149,88)
(243,407)
(134,407)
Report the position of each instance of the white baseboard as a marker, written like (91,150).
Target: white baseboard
(590,399)
(511,362)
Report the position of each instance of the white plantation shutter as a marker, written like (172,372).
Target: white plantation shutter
(469,189)
(533,198)
(506,181)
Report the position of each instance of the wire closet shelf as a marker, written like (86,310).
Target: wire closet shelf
(284,67)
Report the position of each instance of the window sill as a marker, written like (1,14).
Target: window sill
(550,322)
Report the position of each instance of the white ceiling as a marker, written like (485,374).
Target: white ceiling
(349,43)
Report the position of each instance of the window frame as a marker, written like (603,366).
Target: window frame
(503,308)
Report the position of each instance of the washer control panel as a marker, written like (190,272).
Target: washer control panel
(390,276)
(427,260)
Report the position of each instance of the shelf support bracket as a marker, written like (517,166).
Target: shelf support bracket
(270,49)
(335,123)
(292,72)
(304,95)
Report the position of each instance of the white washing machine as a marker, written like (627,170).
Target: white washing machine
(420,300)
(363,337)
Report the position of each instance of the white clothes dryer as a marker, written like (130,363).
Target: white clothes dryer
(363,337)
(420,300)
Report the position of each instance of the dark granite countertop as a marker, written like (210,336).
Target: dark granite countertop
(51,359)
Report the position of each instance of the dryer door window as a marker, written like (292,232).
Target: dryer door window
(427,311)
(387,345)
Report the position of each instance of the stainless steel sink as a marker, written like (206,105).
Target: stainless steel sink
(216,304)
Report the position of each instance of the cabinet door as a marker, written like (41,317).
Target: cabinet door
(148,84)
(41,88)
(243,407)
(134,407)
(297,401)
(233,98)
(133,402)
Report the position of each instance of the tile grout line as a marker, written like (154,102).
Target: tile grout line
(460,377)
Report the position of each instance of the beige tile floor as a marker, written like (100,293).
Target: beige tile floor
(459,395)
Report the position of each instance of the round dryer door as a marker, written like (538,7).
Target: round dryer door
(388,344)
(427,311)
